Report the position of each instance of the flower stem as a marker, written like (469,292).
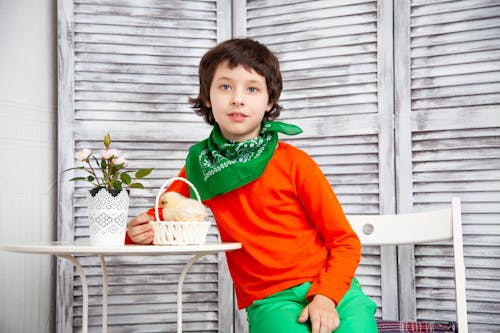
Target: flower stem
(92,171)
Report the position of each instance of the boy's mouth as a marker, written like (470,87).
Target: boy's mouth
(236,116)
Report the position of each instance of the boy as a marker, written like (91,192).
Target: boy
(295,271)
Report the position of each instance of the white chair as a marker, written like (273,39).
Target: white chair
(418,228)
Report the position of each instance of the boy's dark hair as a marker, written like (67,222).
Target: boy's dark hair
(251,55)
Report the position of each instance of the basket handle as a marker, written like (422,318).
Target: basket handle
(168,182)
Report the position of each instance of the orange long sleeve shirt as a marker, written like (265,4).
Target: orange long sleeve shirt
(292,229)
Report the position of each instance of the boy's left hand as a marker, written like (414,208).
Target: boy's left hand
(322,314)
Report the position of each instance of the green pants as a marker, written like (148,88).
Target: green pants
(279,313)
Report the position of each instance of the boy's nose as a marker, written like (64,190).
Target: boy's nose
(237,99)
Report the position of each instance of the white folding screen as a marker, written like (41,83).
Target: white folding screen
(128,67)
(448,144)
(336,60)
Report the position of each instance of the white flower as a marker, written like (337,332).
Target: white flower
(107,170)
(83,154)
(120,160)
(110,153)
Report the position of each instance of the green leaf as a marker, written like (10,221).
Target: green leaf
(141,173)
(90,178)
(125,177)
(117,185)
(75,168)
(96,160)
(137,185)
(78,178)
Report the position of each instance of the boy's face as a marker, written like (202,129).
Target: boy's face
(238,99)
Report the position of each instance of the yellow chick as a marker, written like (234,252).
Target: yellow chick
(177,207)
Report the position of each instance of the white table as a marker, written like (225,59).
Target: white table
(65,250)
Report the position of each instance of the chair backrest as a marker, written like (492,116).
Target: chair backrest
(418,228)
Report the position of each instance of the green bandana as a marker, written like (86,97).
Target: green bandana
(216,166)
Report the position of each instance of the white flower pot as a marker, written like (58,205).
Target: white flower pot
(108,217)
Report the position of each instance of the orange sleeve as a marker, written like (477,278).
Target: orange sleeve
(325,211)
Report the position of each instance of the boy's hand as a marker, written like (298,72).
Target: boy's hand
(139,229)
(322,314)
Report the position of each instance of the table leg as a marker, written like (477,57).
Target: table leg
(104,294)
(85,289)
(179,289)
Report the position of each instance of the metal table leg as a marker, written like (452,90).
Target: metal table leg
(104,294)
(85,289)
(179,289)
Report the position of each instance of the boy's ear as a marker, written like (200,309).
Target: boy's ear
(269,106)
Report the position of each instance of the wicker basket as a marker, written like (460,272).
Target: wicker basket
(178,232)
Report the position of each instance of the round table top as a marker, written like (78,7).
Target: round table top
(85,248)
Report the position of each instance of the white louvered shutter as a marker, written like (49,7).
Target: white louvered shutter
(448,100)
(128,67)
(336,63)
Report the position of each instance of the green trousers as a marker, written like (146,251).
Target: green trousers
(279,313)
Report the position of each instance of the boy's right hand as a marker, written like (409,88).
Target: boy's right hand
(140,231)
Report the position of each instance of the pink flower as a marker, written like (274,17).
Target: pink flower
(110,153)
(83,154)
(120,160)
(107,170)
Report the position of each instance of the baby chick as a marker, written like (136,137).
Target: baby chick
(177,207)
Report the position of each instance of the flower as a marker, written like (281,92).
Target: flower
(110,153)
(120,160)
(107,171)
(83,154)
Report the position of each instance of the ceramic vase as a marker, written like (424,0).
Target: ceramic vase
(108,215)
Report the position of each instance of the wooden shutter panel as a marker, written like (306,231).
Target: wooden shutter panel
(447,83)
(336,62)
(128,67)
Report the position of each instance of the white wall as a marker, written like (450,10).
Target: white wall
(28,115)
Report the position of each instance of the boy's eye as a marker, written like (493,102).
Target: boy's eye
(225,87)
(252,89)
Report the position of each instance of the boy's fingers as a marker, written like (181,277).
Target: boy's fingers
(139,229)
(304,315)
(144,238)
(141,219)
(144,217)
(315,325)
(336,322)
(141,234)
